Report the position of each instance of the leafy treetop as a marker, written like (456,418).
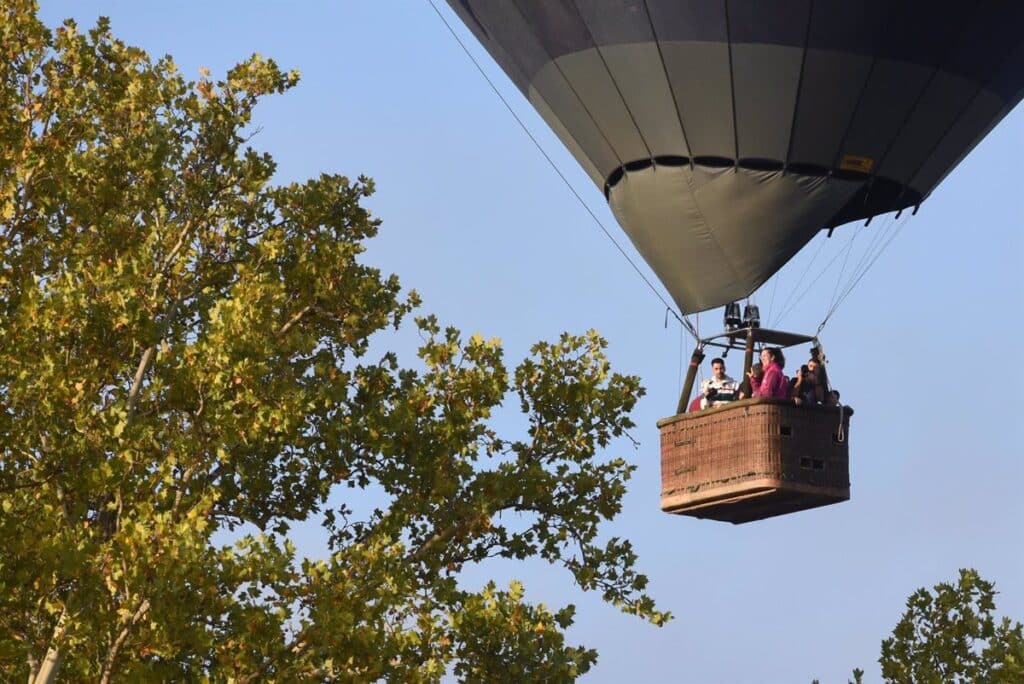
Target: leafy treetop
(950,634)
(185,351)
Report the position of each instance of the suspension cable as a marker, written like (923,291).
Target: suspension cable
(865,259)
(846,293)
(681,338)
(878,243)
(771,305)
(821,245)
(846,258)
(849,248)
(683,319)
(877,239)
(810,285)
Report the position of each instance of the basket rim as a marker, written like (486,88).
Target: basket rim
(756,401)
(677,502)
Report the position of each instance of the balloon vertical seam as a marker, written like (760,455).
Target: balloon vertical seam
(799,86)
(668,80)
(917,103)
(982,88)
(568,83)
(732,91)
(615,83)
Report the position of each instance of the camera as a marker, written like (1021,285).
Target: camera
(710,392)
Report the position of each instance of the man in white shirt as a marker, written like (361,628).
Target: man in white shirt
(719,388)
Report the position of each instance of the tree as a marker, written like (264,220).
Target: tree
(951,635)
(188,369)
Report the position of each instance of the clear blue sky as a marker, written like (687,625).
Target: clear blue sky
(479,224)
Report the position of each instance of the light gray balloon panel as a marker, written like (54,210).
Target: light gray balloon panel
(636,71)
(713,235)
(700,78)
(586,74)
(765,82)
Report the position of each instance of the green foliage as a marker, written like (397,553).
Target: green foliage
(949,634)
(502,639)
(858,677)
(185,351)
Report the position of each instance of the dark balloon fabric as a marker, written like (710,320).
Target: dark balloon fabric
(726,133)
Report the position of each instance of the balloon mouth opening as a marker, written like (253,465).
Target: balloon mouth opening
(750,163)
(878,195)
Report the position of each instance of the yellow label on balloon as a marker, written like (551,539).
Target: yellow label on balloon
(851,162)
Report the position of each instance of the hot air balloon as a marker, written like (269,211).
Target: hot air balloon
(726,133)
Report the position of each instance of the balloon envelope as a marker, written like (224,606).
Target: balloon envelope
(726,133)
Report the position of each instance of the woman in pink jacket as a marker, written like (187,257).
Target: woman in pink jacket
(774,383)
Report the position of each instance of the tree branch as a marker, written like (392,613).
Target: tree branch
(51,663)
(148,355)
(185,478)
(435,539)
(140,373)
(165,264)
(115,649)
(455,528)
(33,666)
(61,497)
(295,651)
(32,483)
(283,330)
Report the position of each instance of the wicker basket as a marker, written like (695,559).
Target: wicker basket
(754,459)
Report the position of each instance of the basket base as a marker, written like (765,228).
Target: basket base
(752,500)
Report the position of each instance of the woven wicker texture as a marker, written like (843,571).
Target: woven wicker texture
(753,459)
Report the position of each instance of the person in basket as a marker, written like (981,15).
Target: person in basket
(719,388)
